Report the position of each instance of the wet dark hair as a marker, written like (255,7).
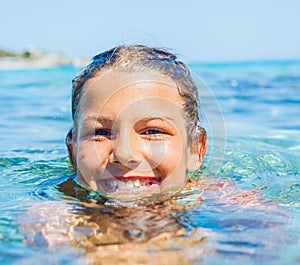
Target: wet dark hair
(140,58)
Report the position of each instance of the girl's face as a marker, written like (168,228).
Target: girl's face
(130,137)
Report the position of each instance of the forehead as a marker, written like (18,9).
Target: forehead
(111,82)
(116,90)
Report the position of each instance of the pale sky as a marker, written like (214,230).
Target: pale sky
(197,30)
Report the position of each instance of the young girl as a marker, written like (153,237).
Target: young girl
(136,130)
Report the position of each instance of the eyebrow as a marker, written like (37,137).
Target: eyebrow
(162,118)
(107,119)
(102,119)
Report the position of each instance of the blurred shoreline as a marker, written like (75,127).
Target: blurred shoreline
(35,59)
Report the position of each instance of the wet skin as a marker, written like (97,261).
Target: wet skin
(130,137)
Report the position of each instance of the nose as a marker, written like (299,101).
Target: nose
(126,150)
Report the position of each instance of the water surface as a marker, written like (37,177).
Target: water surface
(246,210)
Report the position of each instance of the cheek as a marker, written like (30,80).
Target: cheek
(91,157)
(168,157)
(174,169)
(157,152)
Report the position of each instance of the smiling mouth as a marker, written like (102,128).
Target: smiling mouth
(121,184)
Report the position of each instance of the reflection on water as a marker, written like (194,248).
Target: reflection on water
(222,222)
(210,219)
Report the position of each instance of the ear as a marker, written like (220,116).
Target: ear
(70,145)
(196,151)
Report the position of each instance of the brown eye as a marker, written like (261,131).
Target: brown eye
(103,132)
(153,131)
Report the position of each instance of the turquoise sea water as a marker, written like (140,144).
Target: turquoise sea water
(257,149)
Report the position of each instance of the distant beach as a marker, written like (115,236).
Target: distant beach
(36,59)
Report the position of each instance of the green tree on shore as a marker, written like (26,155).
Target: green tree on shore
(4,53)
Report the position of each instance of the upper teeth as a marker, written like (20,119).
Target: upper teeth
(116,184)
(137,183)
